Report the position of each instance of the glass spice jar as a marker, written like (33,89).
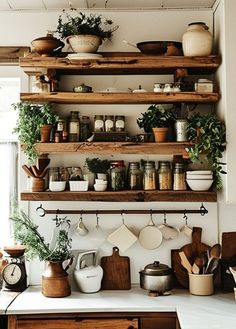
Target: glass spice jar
(109,123)
(98,123)
(165,175)
(134,176)
(117,175)
(149,176)
(74,126)
(179,175)
(85,130)
(120,123)
(53,174)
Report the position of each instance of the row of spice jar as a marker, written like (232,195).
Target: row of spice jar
(168,176)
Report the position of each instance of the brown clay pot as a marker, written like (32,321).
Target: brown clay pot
(160,134)
(55,281)
(45,132)
(37,184)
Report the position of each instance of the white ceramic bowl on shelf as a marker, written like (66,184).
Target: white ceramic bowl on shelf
(79,185)
(100,187)
(57,186)
(199,184)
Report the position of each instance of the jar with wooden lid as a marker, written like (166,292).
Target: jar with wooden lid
(134,176)
(149,176)
(74,126)
(179,175)
(165,175)
(117,175)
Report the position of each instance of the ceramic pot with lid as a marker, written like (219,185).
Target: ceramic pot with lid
(156,277)
(47,46)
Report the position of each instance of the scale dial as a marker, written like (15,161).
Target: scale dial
(13,275)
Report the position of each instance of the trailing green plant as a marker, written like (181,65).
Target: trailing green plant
(27,233)
(209,137)
(96,165)
(31,117)
(84,24)
(156,116)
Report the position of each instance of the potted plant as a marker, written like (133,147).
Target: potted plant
(31,118)
(98,167)
(55,253)
(156,119)
(209,137)
(84,32)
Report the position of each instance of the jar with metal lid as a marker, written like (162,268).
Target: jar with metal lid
(53,173)
(74,126)
(165,175)
(85,130)
(98,123)
(134,176)
(109,123)
(120,123)
(75,173)
(117,175)
(179,177)
(149,176)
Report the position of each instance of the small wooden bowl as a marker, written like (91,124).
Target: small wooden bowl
(15,251)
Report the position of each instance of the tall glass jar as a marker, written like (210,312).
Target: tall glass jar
(109,123)
(74,126)
(85,128)
(98,123)
(53,174)
(149,176)
(134,176)
(179,177)
(120,123)
(165,175)
(117,175)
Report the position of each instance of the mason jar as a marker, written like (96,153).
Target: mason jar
(85,131)
(165,175)
(179,176)
(109,123)
(134,176)
(74,126)
(149,176)
(53,174)
(98,123)
(120,123)
(117,175)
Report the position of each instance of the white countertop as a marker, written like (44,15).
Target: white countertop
(208,312)
(6,298)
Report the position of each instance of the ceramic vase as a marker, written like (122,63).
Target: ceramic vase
(84,43)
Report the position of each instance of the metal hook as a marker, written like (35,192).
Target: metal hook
(97,218)
(164,217)
(40,211)
(122,216)
(185,217)
(81,216)
(203,210)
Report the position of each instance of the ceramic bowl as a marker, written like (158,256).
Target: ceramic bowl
(100,182)
(199,184)
(100,187)
(79,185)
(57,186)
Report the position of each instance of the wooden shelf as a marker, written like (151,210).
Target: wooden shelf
(120,63)
(120,98)
(122,196)
(108,148)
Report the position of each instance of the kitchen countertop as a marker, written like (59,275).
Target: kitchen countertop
(6,298)
(206,312)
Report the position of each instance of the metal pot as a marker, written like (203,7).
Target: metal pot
(156,277)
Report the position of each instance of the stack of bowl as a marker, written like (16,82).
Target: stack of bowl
(100,185)
(199,180)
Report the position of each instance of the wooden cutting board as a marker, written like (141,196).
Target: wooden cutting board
(191,250)
(228,245)
(116,271)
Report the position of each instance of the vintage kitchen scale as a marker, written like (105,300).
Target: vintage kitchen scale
(14,273)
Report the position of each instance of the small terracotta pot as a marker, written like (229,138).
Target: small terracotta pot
(160,134)
(45,132)
(37,184)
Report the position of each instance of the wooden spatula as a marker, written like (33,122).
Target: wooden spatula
(185,262)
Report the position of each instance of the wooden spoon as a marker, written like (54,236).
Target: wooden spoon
(214,253)
(185,262)
(28,171)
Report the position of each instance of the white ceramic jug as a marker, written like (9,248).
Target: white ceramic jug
(197,40)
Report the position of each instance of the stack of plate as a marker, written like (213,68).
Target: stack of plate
(79,56)
(199,180)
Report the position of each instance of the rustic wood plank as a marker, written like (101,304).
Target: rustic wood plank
(120,98)
(109,148)
(122,63)
(12,322)
(122,196)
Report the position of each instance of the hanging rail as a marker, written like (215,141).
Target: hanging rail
(42,212)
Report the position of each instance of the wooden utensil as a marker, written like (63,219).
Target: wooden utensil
(116,271)
(195,269)
(185,262)
(192,250)
(214,253)
(28,171)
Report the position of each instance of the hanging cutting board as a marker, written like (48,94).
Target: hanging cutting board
(116,271)
(228,245)
(191,250)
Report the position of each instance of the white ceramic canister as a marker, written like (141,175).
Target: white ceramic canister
(197,40)
(180,130)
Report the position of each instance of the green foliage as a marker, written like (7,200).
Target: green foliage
(156,116)
(84,24)
(26,232)
(30,118)
(96,165)
(208,134)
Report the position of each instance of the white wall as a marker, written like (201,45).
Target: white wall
(134,26)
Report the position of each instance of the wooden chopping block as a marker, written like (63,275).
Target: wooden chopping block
(116,271)
(228,245)
(191,250)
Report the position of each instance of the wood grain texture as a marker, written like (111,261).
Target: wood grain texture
(116,271)
(120,98)
(122,196)
(228,245)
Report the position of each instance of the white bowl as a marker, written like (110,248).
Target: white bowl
(199,172)
(192,176)
(199,184)
(57,186)
(100,187)
(81,185)
(101,181)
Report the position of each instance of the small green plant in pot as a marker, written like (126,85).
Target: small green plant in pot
(156,119)
(98,166)
(31,117)
(84,32)
(209,136)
